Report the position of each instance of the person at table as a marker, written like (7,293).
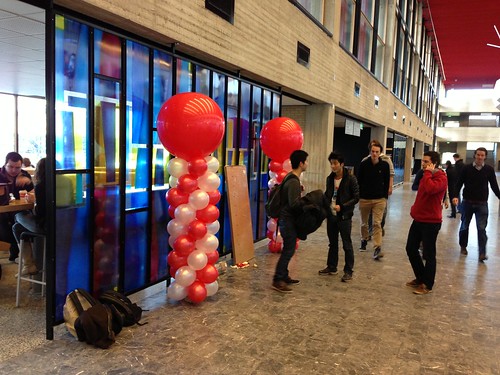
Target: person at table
(32,221)
(16,180)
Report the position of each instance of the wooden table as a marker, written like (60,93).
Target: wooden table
(16,205)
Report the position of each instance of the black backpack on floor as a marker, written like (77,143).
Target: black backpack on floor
(91,321)
(130,312)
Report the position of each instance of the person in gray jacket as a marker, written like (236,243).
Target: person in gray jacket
(342,191)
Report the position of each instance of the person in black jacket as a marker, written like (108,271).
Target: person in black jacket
(475,178)
(291,206)
(459,166)
(451,174)
(342,191)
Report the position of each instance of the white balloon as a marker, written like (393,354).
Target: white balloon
(177,167)
(175,228)
(171,241)
(212,288)
(272,225)
(185,276)
(208,243)
(185,214)
(197,260)
(214,227)
(271,183)
(199,199)
(209,181)
(212,164)
(172,181)
(287,165)
(272,175)
(176,292)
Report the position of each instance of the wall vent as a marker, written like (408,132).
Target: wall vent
(303,54)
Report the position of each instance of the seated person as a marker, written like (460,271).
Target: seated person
(16,180)
(32,221)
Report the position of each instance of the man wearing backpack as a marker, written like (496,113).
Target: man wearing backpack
(290,200)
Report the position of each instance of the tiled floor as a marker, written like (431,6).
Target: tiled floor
(372,325)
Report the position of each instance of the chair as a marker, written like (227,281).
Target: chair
(26,236)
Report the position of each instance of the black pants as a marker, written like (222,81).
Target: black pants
(6,222)
(334,227)
(427,234)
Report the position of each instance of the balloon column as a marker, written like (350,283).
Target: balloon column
(278,139)
(191,126)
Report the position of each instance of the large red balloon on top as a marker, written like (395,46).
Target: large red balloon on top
(190,125)
(280,137)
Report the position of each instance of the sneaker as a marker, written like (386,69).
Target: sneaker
(377,253)
(483,257)
(292,281)
(28,270)
(281,286)
(422,289)
(413,284)
(363,245)
(328,271)
(463,250)
(346,277)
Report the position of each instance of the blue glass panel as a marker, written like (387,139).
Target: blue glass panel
(184,81)
(72,240)
(71,92)
(137,129)
(276,105)
(135,250)
(162,81)
(107,54)
(160,163)
(202,80)
(159,236)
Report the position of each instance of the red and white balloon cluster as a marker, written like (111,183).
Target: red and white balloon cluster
(191,126)
(278,139)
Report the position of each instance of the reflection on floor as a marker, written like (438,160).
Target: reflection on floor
(372,325)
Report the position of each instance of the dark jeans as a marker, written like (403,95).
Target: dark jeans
(427,234)
(25,222)
(334,227)
(6,223)
(289,234)
(481,211)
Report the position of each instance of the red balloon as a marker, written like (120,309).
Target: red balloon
(184,245)
(171,211)
(275,167)
(213,257)
(208,274)
(209,214)
(274,247)
(197,229)
(190,125)
(270,235)
(175,260)
(280,137)
(197,292)
(187,183)
(214,196)
(172,270)
(197,167)
(175,197)
(281,175)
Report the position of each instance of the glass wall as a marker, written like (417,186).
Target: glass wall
(111,168)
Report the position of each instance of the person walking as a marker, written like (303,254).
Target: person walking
(427,218)
(451,174)
(475,178)
(373,179)
(459,166)
(291,192)
(342,191)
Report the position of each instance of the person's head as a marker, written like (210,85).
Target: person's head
(431,158)
(376,149)
(298,158)
(448,163)
(456,156)
(13,164)
(39,176)
(26,162)
(336,161)
(480,155)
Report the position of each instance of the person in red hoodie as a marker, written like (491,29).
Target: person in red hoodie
(427,217)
